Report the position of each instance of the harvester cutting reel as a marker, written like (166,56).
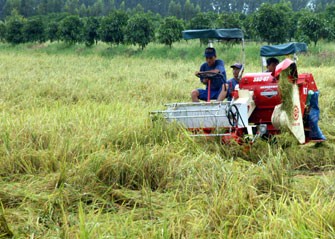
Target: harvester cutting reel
(225,119)
(232,111)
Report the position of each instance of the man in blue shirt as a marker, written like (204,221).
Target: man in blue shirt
(235,80)
(217,84)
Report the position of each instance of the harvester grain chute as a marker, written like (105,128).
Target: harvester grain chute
(298,110)
(265,104)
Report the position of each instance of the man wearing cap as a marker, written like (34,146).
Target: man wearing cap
(217,83)
(233,82)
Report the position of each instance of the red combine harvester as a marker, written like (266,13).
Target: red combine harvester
(264,104)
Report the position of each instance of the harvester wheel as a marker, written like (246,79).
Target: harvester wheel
(233,115)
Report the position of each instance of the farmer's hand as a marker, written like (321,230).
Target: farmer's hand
(204,81)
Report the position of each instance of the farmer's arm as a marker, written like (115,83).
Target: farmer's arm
(219,66)
(202,70)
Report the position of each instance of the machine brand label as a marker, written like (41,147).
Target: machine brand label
(261,79)
(295,113)
(268,87)
(269,94)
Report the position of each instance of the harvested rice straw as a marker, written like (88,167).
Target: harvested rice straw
(286,91)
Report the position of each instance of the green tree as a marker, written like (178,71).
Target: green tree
(229,20)
(298,5)
(2,31)
(203,21)
(293,27)
(71,29)
(42,7)
(27,8)
(291,17)
(55,6)
(249,26)
(312,25)
(14,28)
(170,31)
(139,30)
(91,27)
(72,6)
(10,5)
(138,9)
(83,12)
(122,6)
(272,22)
(112,28)
(97,8)
(189,10)
(320,5)
(174,9)
(108,6)
(34,30)
(329,16)
(52,32)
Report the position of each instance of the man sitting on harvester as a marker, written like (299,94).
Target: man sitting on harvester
(215,86)
(233,82)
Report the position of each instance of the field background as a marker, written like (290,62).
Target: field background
(80,157)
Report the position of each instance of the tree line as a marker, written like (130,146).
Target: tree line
(28,8)
(272,23)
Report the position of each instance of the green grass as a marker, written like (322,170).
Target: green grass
(80,157)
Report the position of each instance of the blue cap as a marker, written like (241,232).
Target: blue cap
(237,65)
(210,52)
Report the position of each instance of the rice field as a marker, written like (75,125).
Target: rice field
(80,157)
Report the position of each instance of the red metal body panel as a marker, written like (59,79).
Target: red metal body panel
(266,95)
(305,83)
